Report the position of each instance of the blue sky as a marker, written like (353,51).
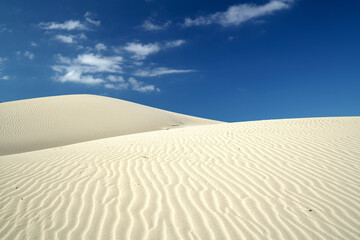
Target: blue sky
(225,60)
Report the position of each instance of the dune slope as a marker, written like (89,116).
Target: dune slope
(41,123)
(281,179)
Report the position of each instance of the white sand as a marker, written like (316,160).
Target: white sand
(279,179)
(41,123)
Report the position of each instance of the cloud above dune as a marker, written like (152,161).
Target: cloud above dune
(95,69)
(78,77)
(141,87)
(237,14)
(80,68)
(104,66)
(119,83)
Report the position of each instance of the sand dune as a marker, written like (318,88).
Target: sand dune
(280,179)
(40,123)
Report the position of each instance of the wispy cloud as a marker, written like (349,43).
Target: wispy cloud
(160,71)
(90,63)
(141,51)
(5,77)
(237,14)
(141,87)
(176,43)
(2,60)
(148,25)
(88,18)
(33,44)
(114,78)
(65,38)
(118,86)
(96,69)
(85,67)
(131,83)
(98,63)
(100,47)
(67,25)
(76,76)
(72,25)
(70,39)
(29,55)
(4,28)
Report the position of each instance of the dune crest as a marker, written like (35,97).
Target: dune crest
(41,123)
(278,179)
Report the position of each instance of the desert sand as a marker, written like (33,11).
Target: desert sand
(41,123)
(130,178)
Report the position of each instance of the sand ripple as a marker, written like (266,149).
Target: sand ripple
(281,179)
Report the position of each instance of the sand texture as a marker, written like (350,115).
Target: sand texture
(275,179)
(40,123)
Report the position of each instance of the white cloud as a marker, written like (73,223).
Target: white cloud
(100,63)
(85,67)
(33,44)
(70,39)
(77,77)
(237,14)
(5,77)
(67,25)
(100,47)
(119,86)
(63,59)
(119,83)
(141,51)
(140,87)
(88,18)
(65,38)
(148,25)
(176,43)
(159,71)
(29,55)
(113,78)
